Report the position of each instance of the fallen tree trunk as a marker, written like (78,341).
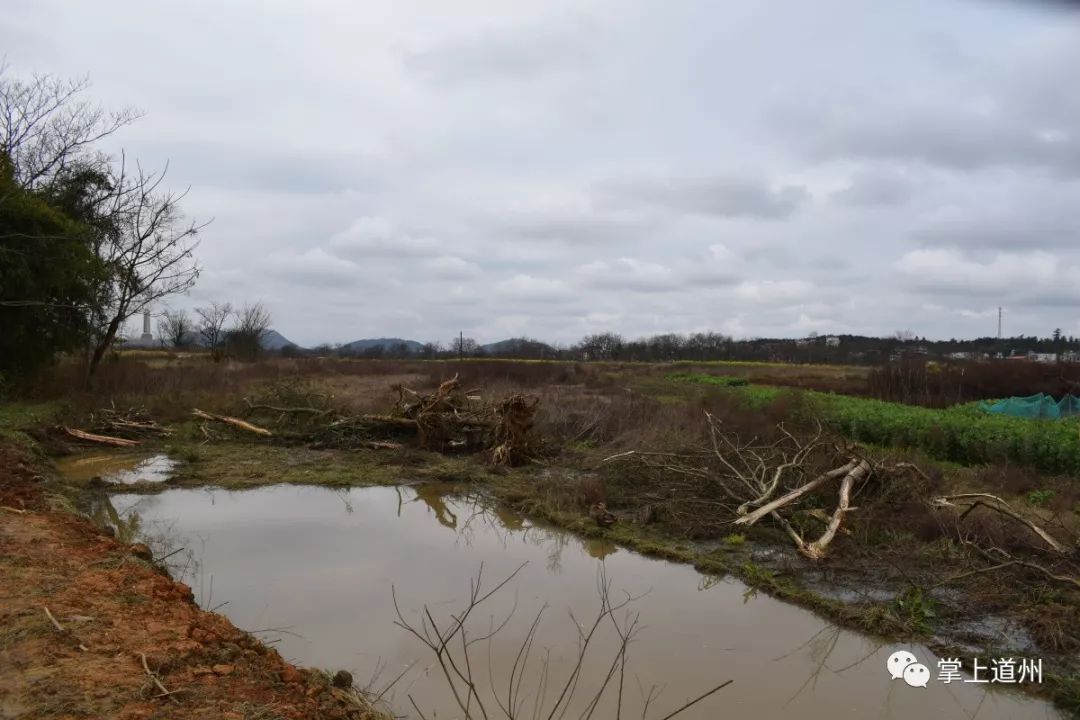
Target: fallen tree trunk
(816,549)
(798,492)
(100,439)
(235,422)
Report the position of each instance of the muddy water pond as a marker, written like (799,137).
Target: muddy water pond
(315,571)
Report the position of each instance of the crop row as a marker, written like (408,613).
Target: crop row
(961,433)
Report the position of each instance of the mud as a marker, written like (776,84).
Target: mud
(115,609)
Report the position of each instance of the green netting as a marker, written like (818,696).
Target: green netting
(1035,406)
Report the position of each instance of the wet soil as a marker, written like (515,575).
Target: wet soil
(115,609)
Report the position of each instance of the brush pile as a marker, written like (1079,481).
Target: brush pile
(452,419)
(117,428)
(448,419)
(131,423)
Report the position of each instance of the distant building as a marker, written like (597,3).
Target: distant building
(832,341)
(968,356)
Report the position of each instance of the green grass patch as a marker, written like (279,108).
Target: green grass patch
(718,380)
(962,433)
(20,416)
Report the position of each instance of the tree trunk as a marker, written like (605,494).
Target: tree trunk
(102,347)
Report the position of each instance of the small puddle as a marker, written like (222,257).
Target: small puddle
(317,567)
(116,468)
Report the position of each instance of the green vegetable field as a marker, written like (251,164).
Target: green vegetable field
(962,433)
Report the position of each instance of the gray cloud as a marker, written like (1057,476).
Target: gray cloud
(1015,107)
(569,167)
(1008,217)
(960,140)
(504,53)
(874,188)
(721,196)
(378,237)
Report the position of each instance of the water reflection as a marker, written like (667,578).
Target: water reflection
(322,564)
(118,468)
(433,495)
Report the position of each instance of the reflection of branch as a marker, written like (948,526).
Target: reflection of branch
(452,644)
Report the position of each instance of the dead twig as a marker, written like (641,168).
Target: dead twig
(62,630)
(164,691)
(978,499)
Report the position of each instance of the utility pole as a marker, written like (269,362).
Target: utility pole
(999,322)
(461,343)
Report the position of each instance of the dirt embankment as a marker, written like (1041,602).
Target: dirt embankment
(122,633)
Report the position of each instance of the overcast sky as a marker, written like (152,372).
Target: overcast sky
(559,168)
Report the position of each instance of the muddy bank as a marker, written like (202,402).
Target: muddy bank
(122,633)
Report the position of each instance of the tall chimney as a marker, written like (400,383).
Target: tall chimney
(147,338)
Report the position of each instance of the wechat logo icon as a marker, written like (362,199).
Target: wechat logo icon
(903,665)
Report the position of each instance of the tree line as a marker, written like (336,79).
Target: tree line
(87,240)
(710,346)
(219,329)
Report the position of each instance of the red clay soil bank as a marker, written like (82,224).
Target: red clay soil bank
(120,609)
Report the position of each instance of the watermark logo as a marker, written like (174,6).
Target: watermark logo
(904,665)
(898,661)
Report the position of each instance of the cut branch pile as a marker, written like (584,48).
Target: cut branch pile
(118,428)
(132,423)
(448,419)
(1057,560)
(742,483)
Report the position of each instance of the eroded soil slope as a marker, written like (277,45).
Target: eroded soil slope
(115,609)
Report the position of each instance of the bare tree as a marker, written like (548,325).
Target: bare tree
(453,643)
(148,248)
(175,328)
(134,229)
(464,347)
(212,320)
(252,323)
(46,126)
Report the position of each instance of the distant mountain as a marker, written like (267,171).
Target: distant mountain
(273,340)
(361,346)
(518,346)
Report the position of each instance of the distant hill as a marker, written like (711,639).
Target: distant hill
(273,340)
(360,346)
(523,347)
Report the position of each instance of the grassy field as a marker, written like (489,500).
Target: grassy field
(928,582)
